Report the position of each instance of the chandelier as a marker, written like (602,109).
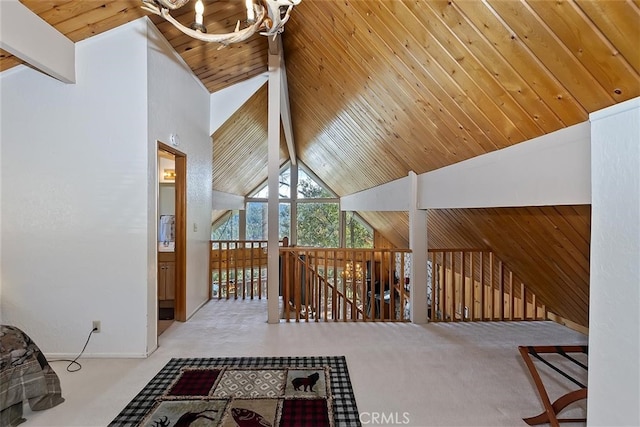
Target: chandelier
(264,16)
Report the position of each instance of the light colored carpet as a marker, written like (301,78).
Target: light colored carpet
(439,374)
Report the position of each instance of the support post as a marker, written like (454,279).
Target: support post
(418,246)
(273,169)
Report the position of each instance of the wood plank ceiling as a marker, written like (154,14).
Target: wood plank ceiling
(381,88)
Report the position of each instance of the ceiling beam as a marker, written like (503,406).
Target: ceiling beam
(227,201)
(28,37)
(275,49)
(391,196)
(553,169)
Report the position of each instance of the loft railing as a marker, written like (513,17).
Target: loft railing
(238,269)
(321,284)
(337,284)
(473,285)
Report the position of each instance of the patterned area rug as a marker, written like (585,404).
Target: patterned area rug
(246,392)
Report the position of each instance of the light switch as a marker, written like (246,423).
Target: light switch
(195,227)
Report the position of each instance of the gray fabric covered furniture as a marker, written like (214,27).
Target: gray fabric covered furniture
(24,374)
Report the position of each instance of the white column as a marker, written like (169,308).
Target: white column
(614,306)
(273,168)
(418,246)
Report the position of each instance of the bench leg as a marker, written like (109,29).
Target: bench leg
(558,406)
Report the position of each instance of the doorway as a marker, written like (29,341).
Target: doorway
(171,209)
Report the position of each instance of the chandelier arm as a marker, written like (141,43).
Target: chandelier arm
(222,38)
(172,4)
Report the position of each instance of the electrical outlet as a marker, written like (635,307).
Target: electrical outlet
(96,326)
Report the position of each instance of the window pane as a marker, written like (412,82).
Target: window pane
(256,221)
(285,220)
(318,225)
(284,187)
(308,188)
(227,229)
(357,234)
(261,194)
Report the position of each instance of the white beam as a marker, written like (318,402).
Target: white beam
(392,196)
(285,112)
(554,169)
(227,201)
(225,102)
(276,50)
(30,38)
(273,172)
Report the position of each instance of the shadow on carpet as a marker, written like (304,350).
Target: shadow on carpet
(246,391)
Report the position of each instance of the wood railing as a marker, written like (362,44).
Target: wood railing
(343,284)
(323,284)
(238,269)
(473,285)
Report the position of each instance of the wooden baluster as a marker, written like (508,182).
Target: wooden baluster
(307,286)
(325,286)
(343,302)
(463,293)
(512,296)
(472,305)
(434,286)
(501,289)
(443,303)
(285,282)
(227,266)
(315,286)
(251,266)
(334,290)
(453,287)
(523,305)
(482,287)
(240,259)
(534,306)
(296,285)
(492,290)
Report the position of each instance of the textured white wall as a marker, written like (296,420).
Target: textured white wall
(179,104)
(614,306)
(74,199)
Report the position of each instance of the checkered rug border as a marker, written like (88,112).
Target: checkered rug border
(345,410)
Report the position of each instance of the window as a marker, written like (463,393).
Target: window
(317,220)
(319,225)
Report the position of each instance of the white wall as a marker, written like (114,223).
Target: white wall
(614,306)
(79,192)
(74,199)
(225,102)
(179,104)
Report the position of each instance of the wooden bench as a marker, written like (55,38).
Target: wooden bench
(551,410)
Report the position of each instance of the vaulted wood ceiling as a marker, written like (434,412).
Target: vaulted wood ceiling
(381,88)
